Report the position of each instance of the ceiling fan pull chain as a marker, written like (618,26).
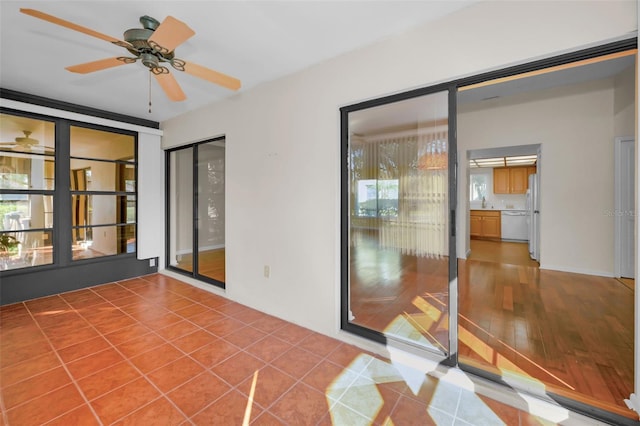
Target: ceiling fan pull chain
(149,92)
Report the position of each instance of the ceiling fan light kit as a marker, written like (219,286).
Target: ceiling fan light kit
(154,45)
(25,144)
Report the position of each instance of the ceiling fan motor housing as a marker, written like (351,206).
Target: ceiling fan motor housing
(138,38)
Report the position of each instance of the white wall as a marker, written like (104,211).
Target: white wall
(575,127)
(624,103)
(151,206)
(283,139)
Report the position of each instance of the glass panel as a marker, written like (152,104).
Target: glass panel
(101,241)
(33,137)
(181,209)
(87,175)
(24,248)
(211,210)
(25,211)
(26,171)
(399,251)
(539,306)
(94,209)
(98,144)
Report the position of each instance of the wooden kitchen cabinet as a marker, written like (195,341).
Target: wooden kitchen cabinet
(501,180)
(518,180)
(475,225)
(485,224)
(511,180)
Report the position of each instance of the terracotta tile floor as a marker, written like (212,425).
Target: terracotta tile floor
(155,350)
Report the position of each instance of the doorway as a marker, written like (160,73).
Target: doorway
(197,211)
(624,208)
(542,327)
(535,324)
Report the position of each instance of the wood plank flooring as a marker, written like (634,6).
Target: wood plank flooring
(211,263)
(400,295)
(628,282)
(571,333)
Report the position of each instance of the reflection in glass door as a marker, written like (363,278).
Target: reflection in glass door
(210,221)
(197,211)
(181,209)
(398,221)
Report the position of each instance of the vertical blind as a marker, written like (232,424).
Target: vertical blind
(414,166)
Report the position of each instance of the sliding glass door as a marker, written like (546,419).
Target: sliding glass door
(536,307)
(196,207)
(396,209)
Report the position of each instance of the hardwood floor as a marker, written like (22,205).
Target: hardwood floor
(573,333)
(210,264)
(628,282)
(402,296)
(508,252)
(570,333)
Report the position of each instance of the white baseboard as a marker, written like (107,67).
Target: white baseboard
(608,274)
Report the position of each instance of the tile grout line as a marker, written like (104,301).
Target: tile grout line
(102,335)
(64,365)
(207,369)
(266,409)
(3,408)
(455,413)
(143,375)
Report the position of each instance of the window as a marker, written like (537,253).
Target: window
(27,184)
(377,198)
(103,201)
(478,188)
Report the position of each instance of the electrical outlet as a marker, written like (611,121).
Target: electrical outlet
(152,262)
(267,271)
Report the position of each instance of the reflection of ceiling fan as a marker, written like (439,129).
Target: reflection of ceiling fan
(25,144)
(154,46)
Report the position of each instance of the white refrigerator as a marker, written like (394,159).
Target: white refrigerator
(533,209)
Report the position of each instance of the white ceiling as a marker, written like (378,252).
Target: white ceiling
(254,41)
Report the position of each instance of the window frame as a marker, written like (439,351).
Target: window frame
(115,193)
(62,194)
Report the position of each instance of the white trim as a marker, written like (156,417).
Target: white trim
(633,402)
(617,219)
(52,112)
(606,274)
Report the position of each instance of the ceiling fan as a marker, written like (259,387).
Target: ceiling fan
(26,144)
(154,46)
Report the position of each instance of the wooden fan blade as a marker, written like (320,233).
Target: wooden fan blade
(170,34)
(170,86)
(212,76)
(72,26)
(102,64)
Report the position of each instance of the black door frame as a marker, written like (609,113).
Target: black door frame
(195,219)
(453,86)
